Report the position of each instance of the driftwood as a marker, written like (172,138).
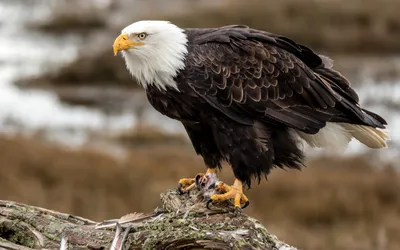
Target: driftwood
(182,223)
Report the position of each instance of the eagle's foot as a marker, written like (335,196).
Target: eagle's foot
(187,184)
(226,192)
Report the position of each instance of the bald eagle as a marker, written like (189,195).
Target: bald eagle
(246,97)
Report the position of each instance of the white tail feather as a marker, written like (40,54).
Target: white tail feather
(369,136)
(336,136)
(333,136)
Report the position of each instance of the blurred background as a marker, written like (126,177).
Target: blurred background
(78,136)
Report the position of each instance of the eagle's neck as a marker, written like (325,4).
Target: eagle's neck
(160,62)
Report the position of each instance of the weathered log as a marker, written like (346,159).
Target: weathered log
(182,223)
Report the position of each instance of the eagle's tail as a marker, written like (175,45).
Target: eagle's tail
(372,133)
(336,136)
(369,136)
(368,127)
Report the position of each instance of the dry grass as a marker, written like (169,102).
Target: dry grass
(333,204)
(147,135)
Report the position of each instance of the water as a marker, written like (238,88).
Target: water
(25,52)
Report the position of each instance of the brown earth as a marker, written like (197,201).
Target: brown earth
(332,204)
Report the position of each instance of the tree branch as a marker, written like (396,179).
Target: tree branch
(182,223)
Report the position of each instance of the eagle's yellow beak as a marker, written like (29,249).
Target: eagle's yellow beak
(123,42)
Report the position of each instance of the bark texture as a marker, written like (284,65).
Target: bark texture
(183,222)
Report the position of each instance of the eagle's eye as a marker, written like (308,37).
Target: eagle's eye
(142,36)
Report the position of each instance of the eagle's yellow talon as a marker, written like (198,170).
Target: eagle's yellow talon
(234,192)
(186,181)
(187,184)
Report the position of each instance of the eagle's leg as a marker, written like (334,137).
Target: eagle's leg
(187,184)
(234,192)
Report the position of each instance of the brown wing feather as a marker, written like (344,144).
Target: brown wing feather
(270,78)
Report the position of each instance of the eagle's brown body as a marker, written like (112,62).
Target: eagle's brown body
(245,95)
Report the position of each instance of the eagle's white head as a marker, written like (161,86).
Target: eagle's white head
(154,52)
